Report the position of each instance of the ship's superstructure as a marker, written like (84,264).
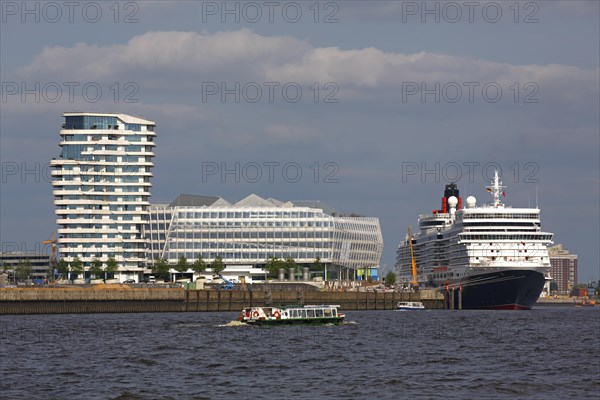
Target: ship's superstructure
(495,255)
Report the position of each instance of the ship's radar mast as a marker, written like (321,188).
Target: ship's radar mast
(496,189)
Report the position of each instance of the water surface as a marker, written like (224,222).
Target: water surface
(543,353)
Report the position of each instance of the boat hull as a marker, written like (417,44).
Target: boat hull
(502,290)
(296,321)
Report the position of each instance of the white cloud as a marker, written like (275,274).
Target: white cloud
(185,59)
(169,52)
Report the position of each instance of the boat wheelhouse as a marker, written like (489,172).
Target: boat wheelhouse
(293,315)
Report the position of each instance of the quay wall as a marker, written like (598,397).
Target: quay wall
(95,300)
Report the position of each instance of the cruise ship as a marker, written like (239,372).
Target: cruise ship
(487,256)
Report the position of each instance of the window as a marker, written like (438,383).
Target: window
(89,122)
(73,151)
(133,127)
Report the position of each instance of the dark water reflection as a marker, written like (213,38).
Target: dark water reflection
(543,353)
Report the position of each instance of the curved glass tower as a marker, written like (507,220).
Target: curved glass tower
(101,186)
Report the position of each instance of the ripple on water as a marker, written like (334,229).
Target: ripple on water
(372,355)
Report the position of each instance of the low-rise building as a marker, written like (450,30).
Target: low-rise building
(245,234)
(38,262)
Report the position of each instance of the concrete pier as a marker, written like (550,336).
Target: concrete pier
(127,299)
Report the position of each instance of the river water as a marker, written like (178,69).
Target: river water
(548,352)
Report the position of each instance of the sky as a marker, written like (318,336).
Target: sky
(369,106)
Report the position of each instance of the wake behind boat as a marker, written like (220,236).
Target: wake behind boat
(292,315)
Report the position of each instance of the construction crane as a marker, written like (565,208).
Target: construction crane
(228,285)
(52,241)
(412,258)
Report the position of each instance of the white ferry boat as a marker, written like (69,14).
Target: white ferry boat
(410,305)
(491,256)
(292,315)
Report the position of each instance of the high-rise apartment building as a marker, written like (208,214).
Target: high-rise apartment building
(101,186)
(563,268)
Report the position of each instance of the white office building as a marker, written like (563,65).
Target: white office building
(248,232)
(101,186)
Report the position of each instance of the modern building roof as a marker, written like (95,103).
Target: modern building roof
(192,200)
(254,201)
(128,119)
(250,201)
(275,201)
(327,209)
(221,203)
(560,250)
(32,253)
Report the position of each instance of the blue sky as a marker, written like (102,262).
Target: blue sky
(397,90)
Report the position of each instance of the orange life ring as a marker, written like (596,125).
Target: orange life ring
(277,314)
(255,314)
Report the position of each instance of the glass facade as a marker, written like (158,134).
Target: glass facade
(90,122)
(251,235)
(102,188)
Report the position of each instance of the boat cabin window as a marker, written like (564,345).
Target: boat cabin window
(334,312)
(311,313)
(294,313)
(327,312)
(319,313)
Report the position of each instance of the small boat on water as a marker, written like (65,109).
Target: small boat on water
(292,315)
(410,305)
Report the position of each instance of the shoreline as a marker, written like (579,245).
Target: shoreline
(123,299)
(127,299)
